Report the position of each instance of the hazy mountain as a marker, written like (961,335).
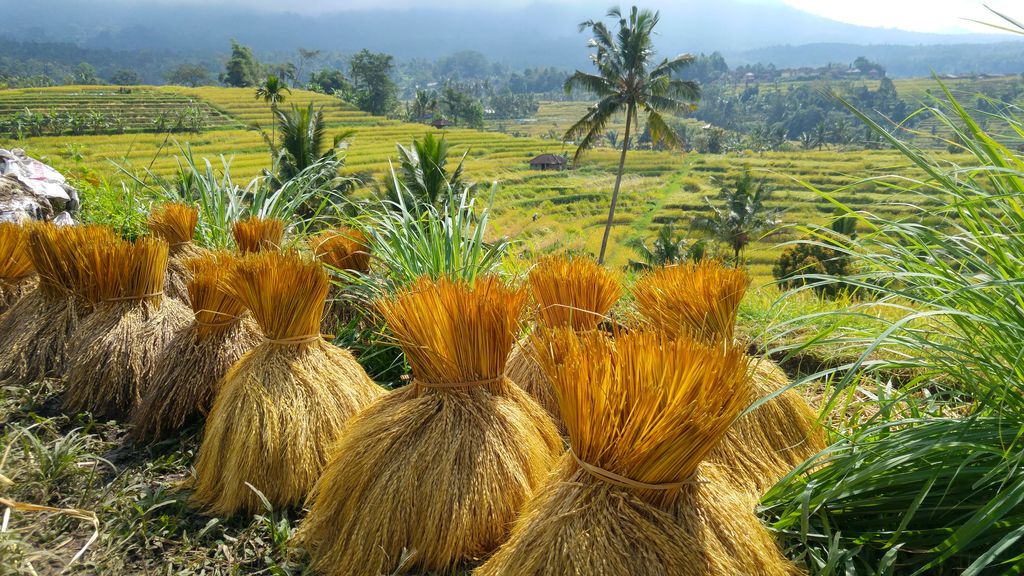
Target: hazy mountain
(536,35)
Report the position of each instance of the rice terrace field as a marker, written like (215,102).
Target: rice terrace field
(541,210)
(331,311)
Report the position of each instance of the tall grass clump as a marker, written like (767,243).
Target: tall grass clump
(575,292)
(119,343)
(932,482)
(632,496)
(433,474)
(281,408)
(15,263)
(176,224)
(188,371)
(35,333)
(778,429)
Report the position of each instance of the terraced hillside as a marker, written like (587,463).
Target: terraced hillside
(79,110)
(544,210)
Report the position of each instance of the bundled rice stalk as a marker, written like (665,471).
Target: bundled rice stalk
(15,263)
(573,292)
(119,342)
(35,331)
(701,301)
(632,496)
(434,474)
(342,249)
(176,224)
(192,364)
(280,408)
(256,234)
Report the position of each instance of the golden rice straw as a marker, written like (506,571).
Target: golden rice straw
(186,374)
(36,330)
(15,263)
(119,342)
(701,300)
(438,469)
(281,407)
(176,224)
(341,249)
(632,496)
(575,292)
(258,234)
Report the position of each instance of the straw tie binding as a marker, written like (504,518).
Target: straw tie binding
(620,480)
(458,385)
(294,340)
(134,297)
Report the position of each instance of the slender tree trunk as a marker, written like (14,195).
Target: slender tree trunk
(618,182)
(273,134)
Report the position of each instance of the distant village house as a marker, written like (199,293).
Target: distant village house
(549,162)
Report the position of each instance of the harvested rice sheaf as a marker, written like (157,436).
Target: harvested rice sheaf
(176,224)
(35,332)
(575,292)
(434,474)
(341,249)
(15,264)
(281,407)
(186,374)
(701,300)
(255,234)
(633,495)
(119,342)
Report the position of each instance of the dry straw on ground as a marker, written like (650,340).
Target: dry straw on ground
(632,496)
(258,234)
(574,292)
(281,407)
(176,224)
(341,249)
(188,371)
(132,322)
(701,300)
(433,474)
(15,263)
(35,332)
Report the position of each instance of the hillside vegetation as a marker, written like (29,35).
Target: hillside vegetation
(542,209)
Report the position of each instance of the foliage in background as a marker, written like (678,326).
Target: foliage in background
(815,256)
(741,217)
(932,482)
(423,179)
(667,248)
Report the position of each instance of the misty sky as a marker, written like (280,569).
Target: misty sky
(945,16)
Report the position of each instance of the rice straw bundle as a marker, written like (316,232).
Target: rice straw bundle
(15,263)
(176,224)
(280,408)
(632,496)
(438,469)
(35,331)
(256,234)
(574,292)
(186,375)
(701,300)
(340,249)
(120,341)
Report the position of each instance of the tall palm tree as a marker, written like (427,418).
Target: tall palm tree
(628,81)
(271,91)
(743,215)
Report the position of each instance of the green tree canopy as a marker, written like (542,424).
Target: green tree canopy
(374,90)
(242,69)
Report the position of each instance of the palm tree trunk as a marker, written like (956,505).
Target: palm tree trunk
(615,191)
(273,134)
